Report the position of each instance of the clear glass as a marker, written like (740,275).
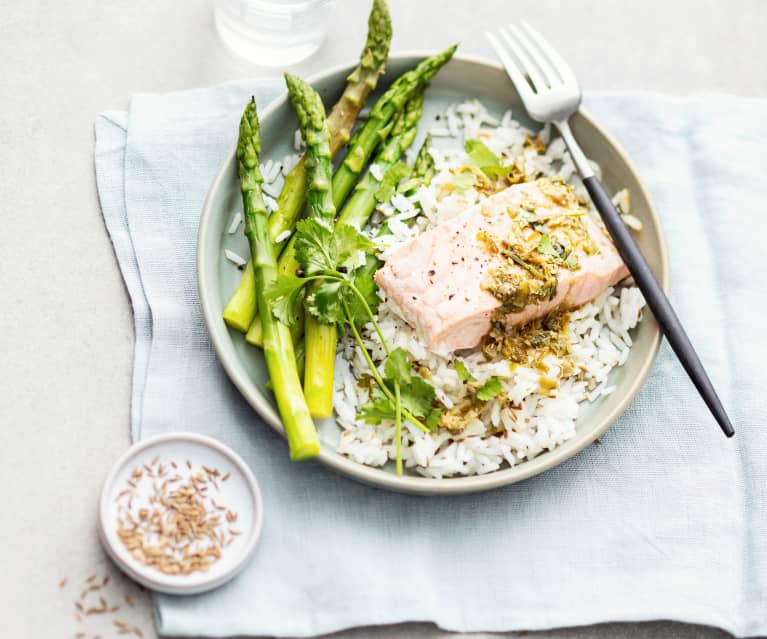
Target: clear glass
(273,32)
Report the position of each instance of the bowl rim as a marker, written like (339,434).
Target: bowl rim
(375,476)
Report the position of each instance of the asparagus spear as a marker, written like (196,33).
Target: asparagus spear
(376,127)
(363,200)
(240,311)
(424,163)
(423,169)
(320,339)
(278,345)
(241,307)
(316,133)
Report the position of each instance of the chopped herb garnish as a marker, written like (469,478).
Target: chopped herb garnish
(488,162)
(464,181)
(546,247)
(561,254)
(489,389)
(463,372)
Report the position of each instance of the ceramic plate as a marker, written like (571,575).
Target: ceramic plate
(462,78)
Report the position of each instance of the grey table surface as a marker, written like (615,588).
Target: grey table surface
(66,337)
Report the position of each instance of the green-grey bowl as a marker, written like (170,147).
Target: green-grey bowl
(462,78)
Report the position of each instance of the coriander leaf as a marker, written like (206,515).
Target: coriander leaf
(324,301)
(319,249)
(546,247)
(417,396)
(397,367)
(345,247)
(393,176)
(485,159)
(489,389)
(375,411)
(365,284)
(313,246)
(464,181)
(284,297)
(433,418)
(463,372)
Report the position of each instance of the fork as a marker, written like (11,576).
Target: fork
(550,92)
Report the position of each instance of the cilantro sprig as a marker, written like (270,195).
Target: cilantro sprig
(345,293)
(416,394)
(488,162)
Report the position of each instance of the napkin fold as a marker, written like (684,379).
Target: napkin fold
(664,520)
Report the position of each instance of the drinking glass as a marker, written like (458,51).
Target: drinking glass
(273,32)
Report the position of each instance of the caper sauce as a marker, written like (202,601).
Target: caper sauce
(527,345)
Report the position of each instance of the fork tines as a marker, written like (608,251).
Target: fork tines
(533,64)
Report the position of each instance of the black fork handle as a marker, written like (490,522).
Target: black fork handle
(658,302)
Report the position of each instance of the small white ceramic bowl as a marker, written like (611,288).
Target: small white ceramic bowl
(239,493)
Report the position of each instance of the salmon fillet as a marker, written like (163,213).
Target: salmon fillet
(438,282)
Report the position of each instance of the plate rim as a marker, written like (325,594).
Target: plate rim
(373,476)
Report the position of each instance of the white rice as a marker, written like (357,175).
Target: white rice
(282,236)
(272,190)
(376,172)
(439,132)
(270,171)
(235,223)
(298,141)
(530,421)
(234,258)
(271,203)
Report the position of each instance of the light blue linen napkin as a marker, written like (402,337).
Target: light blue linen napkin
(665,520)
